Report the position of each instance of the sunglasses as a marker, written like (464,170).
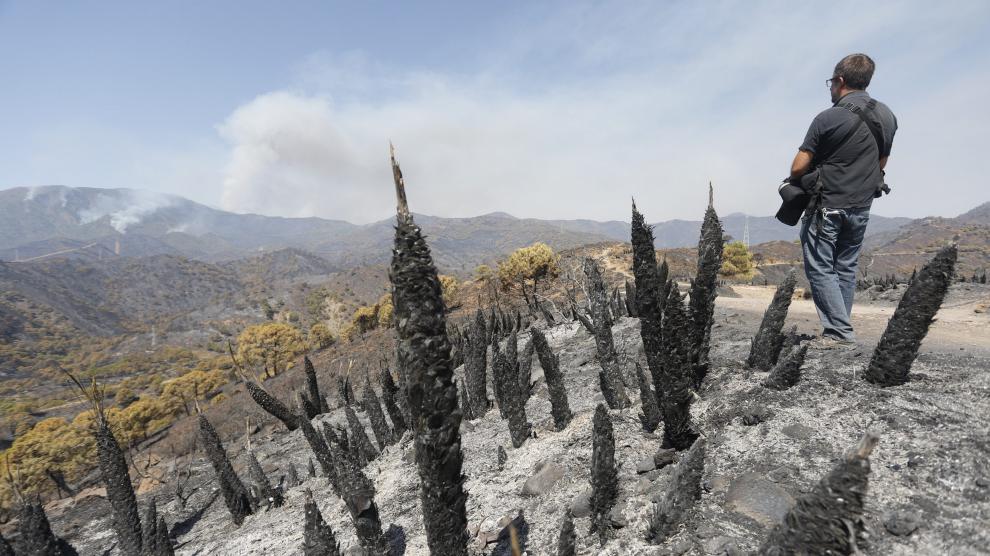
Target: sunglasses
(829,82)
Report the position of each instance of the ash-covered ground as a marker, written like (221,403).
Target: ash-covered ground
(929,489)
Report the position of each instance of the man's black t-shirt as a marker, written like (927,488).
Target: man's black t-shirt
(850,173)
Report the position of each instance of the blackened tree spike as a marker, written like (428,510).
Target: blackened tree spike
(898,347)
(272,497)
(5,549)
(291,476)
(604,474)
(271,404)
(373,407)
(631,299)
(311,469)
(683,491)
(567,541)
(322,452)
(675,383)
(235,495)
(649,290)
(787,371)
(766,345)
(601,324)
(36,536)
(559,407)
(358,494)
(424,355)
(475,365)
(120,492)
(318,537)
(704,291)
(164,542)
(828,520)
(309,409)
(313,386)
(149,529)
(650,412)
(525,369)
(389,394)
(515,404)
(462,397)
(363,448)
(607,391)
(512,349)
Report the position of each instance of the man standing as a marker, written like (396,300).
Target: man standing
(840,164)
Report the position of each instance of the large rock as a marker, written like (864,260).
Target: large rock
(757,498)
(547,474)
(581,505)
(798,431)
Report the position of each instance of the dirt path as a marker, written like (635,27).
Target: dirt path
(957,326)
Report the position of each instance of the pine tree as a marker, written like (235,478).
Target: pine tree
(389,394)
(649,297)
(559,407)
(318,537)
(681,495)
(424,355)
(828,520)
(475,366)
(599,322)
(515,405)
(361,444)
(604,474)
(787,371)
(272,497)
(271,404)
(235,495)
(704,291)
(379,426)
(313,386)
(567,542)
(766,345)
(898,347)
(675,395)
(650,416)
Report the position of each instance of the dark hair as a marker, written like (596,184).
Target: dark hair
(856,69)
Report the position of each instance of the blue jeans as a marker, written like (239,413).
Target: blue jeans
(830,260)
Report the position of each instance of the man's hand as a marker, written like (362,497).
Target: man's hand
(883,162)
(800,166)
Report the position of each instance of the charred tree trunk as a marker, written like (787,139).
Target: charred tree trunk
(311,469)
(601,323)
(309,409)
(787,372)
(475,366)
(515,405)
(389,393)
(498,380)
(372,406)
(649,289)
(828,520)
(117,479)
(559,407)
(650,415)
(681,495)
(318,537)
(424,355)
(631,299)
(271,404)
(465,402)
(149,530)
(360,443)
(291,476)
(766,345)
(898,347)
(675,394)
(164,541)
(567,542)
(313,386)
(322,452)
(272,497)
(604,475)
(37,538)
(704,291)
(526,370)
(235,495)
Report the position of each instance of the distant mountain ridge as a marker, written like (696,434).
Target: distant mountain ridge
(93,223)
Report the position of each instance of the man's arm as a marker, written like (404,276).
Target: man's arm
(802,165)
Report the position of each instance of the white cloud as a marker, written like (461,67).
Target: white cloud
(571,117)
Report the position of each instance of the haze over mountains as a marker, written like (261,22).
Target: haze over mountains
(97,223)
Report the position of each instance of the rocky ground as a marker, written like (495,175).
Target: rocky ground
(929,487)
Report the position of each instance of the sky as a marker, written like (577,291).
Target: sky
(538,109)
